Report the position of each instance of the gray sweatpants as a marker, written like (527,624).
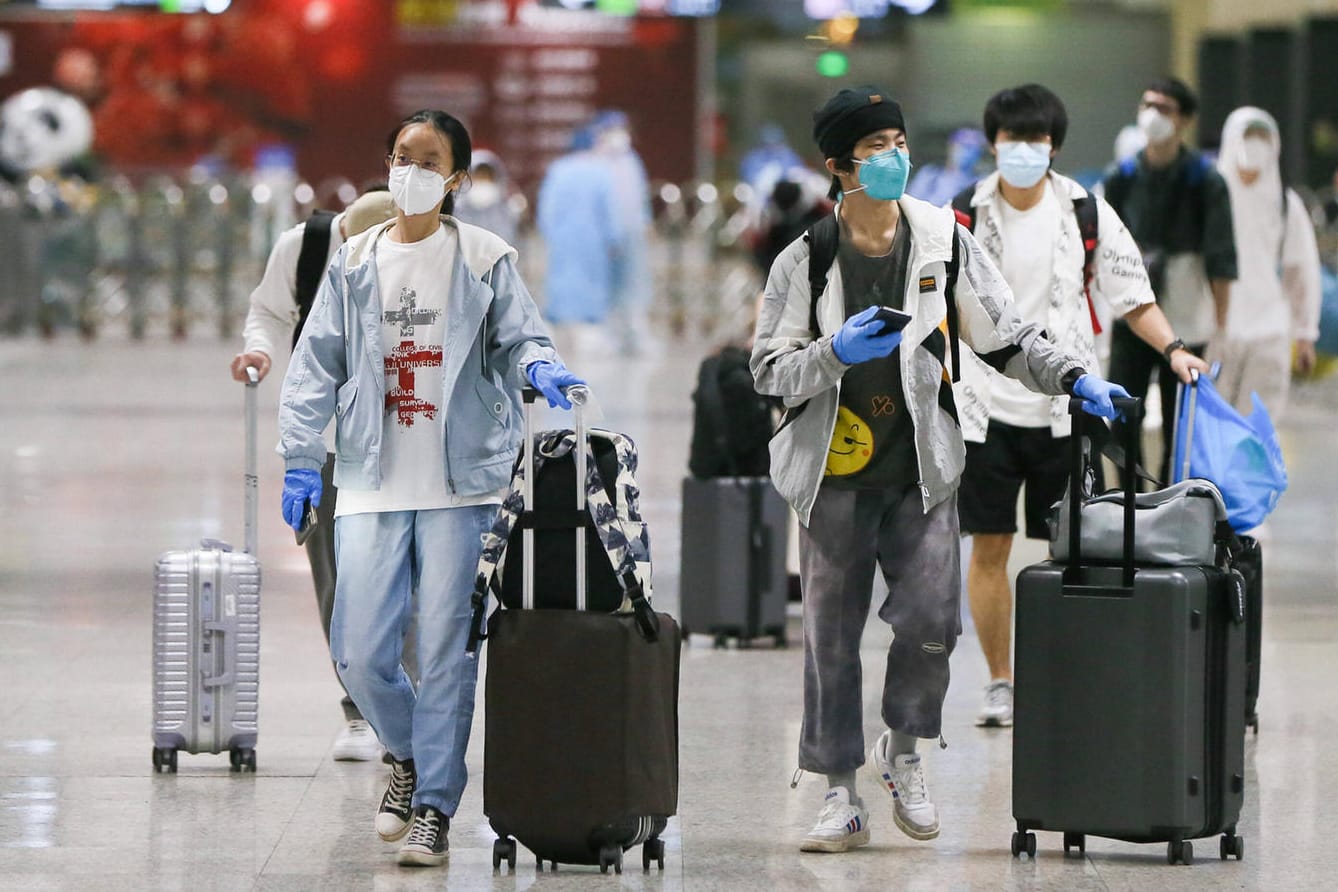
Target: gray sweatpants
(321,556)
(850,532)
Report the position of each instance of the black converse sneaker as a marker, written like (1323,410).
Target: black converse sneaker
(396,811)
(426,845)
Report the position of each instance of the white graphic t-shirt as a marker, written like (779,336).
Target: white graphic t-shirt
(1028,265)
(414,282)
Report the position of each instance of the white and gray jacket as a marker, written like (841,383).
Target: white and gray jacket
(493,331)
(791,362)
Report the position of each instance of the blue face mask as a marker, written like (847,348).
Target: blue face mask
(1022,164)
(883,176)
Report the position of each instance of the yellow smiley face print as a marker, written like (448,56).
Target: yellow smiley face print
(851,447)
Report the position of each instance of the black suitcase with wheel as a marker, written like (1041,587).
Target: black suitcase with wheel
(1129,713)
(581,705)
(733,582)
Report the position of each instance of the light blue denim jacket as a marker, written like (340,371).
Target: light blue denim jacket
(493,331)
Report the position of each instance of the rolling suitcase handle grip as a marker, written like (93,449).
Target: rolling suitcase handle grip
(1133,414)
(223,629)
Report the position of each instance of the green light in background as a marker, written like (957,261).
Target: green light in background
(833,64)
(617,7)
(169,5)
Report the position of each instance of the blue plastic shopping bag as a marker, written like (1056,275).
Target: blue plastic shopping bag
(1240,455)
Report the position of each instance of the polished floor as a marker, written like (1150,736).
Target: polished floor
(111,452)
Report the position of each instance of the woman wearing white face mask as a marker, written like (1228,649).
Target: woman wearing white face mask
(1275,301)
(486,201)
(419,341)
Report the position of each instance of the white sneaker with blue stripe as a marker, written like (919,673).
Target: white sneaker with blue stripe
(842,825)
(904,779)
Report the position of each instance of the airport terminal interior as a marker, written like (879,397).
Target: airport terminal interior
(117,450)
(152,155)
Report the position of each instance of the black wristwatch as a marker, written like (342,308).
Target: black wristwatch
(1170,348)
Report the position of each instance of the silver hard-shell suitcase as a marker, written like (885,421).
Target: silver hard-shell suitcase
(206,640)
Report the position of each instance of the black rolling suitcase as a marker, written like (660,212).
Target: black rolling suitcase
(581,698)
(733,582)
(1129,707)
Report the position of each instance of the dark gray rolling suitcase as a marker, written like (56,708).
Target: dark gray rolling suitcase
(733,582)
(581,710)
(206,640)
(1129,706)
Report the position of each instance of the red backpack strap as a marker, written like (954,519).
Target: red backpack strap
(1086,210)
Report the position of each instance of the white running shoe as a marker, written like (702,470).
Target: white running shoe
(904,779)
(841,826)
(997,712)
(357,743)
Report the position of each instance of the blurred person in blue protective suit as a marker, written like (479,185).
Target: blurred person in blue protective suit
(420,340)
(578,219)
(487,200)
(631,281)
(937,185)
(764,164)
(1275,300)
(870,452)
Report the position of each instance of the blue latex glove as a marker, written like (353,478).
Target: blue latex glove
(1096,393)
(549,378)
(300,486)
(859,339)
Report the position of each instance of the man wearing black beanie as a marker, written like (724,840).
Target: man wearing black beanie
(870,452)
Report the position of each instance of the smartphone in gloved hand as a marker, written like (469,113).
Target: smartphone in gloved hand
(893,320)
(309,521)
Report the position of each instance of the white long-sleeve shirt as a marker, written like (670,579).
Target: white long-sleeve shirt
(274,312)
(1277,293)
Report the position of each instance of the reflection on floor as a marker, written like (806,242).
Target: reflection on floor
(111,452)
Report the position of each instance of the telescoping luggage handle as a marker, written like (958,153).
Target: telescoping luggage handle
(1133,415)
(249,480)
(648,624)
(578,395)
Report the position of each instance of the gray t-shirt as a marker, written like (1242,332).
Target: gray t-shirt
(873,446)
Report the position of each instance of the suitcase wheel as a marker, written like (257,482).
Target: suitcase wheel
(1024,841)
(242,759)
(1232,845)
(1252,722)
(164,760)
(1180,851)
(1076,841)
(652,850)
(505,850)
(611,856)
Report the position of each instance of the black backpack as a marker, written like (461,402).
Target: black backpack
(823,238)
(311,263)
(1086,210)
(731,422)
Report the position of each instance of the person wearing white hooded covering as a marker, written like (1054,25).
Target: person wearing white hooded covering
(1275,301)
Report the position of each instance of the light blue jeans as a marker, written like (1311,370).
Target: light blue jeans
(382,558)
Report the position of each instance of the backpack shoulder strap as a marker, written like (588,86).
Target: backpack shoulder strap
(963,209)
(311,264)
(950,298)
(822,237)
(1087,212)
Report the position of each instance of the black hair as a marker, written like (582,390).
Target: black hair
(1179,91)
(844,163)
(452,131)
(1028,111)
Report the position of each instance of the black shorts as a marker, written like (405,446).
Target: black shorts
(996,470)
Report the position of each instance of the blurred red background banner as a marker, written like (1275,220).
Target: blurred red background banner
(330,78)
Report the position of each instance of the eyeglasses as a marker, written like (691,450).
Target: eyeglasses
(399,159)
(1166,108)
